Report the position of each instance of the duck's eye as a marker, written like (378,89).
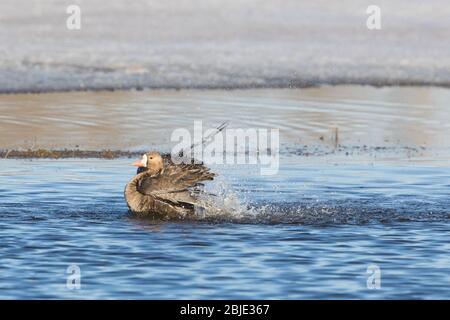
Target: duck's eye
(151,158)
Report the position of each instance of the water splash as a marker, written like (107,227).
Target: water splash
(223,204)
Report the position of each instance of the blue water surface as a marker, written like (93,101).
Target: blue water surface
(311,231)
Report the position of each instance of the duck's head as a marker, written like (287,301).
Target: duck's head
(151,162)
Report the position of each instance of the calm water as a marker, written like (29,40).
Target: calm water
(381,197)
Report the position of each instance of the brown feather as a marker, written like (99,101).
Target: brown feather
(171,192)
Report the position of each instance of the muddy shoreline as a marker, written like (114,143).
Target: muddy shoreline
(66,154)
(303,151)
(277,84)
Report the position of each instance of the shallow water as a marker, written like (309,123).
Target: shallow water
(127,120)
(311,231)
(313,236)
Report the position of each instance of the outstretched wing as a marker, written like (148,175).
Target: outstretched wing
(177,184)
(184,153)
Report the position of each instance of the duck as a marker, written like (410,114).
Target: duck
(168,190)
(163,189)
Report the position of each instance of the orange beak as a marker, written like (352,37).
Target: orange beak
(138,163)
